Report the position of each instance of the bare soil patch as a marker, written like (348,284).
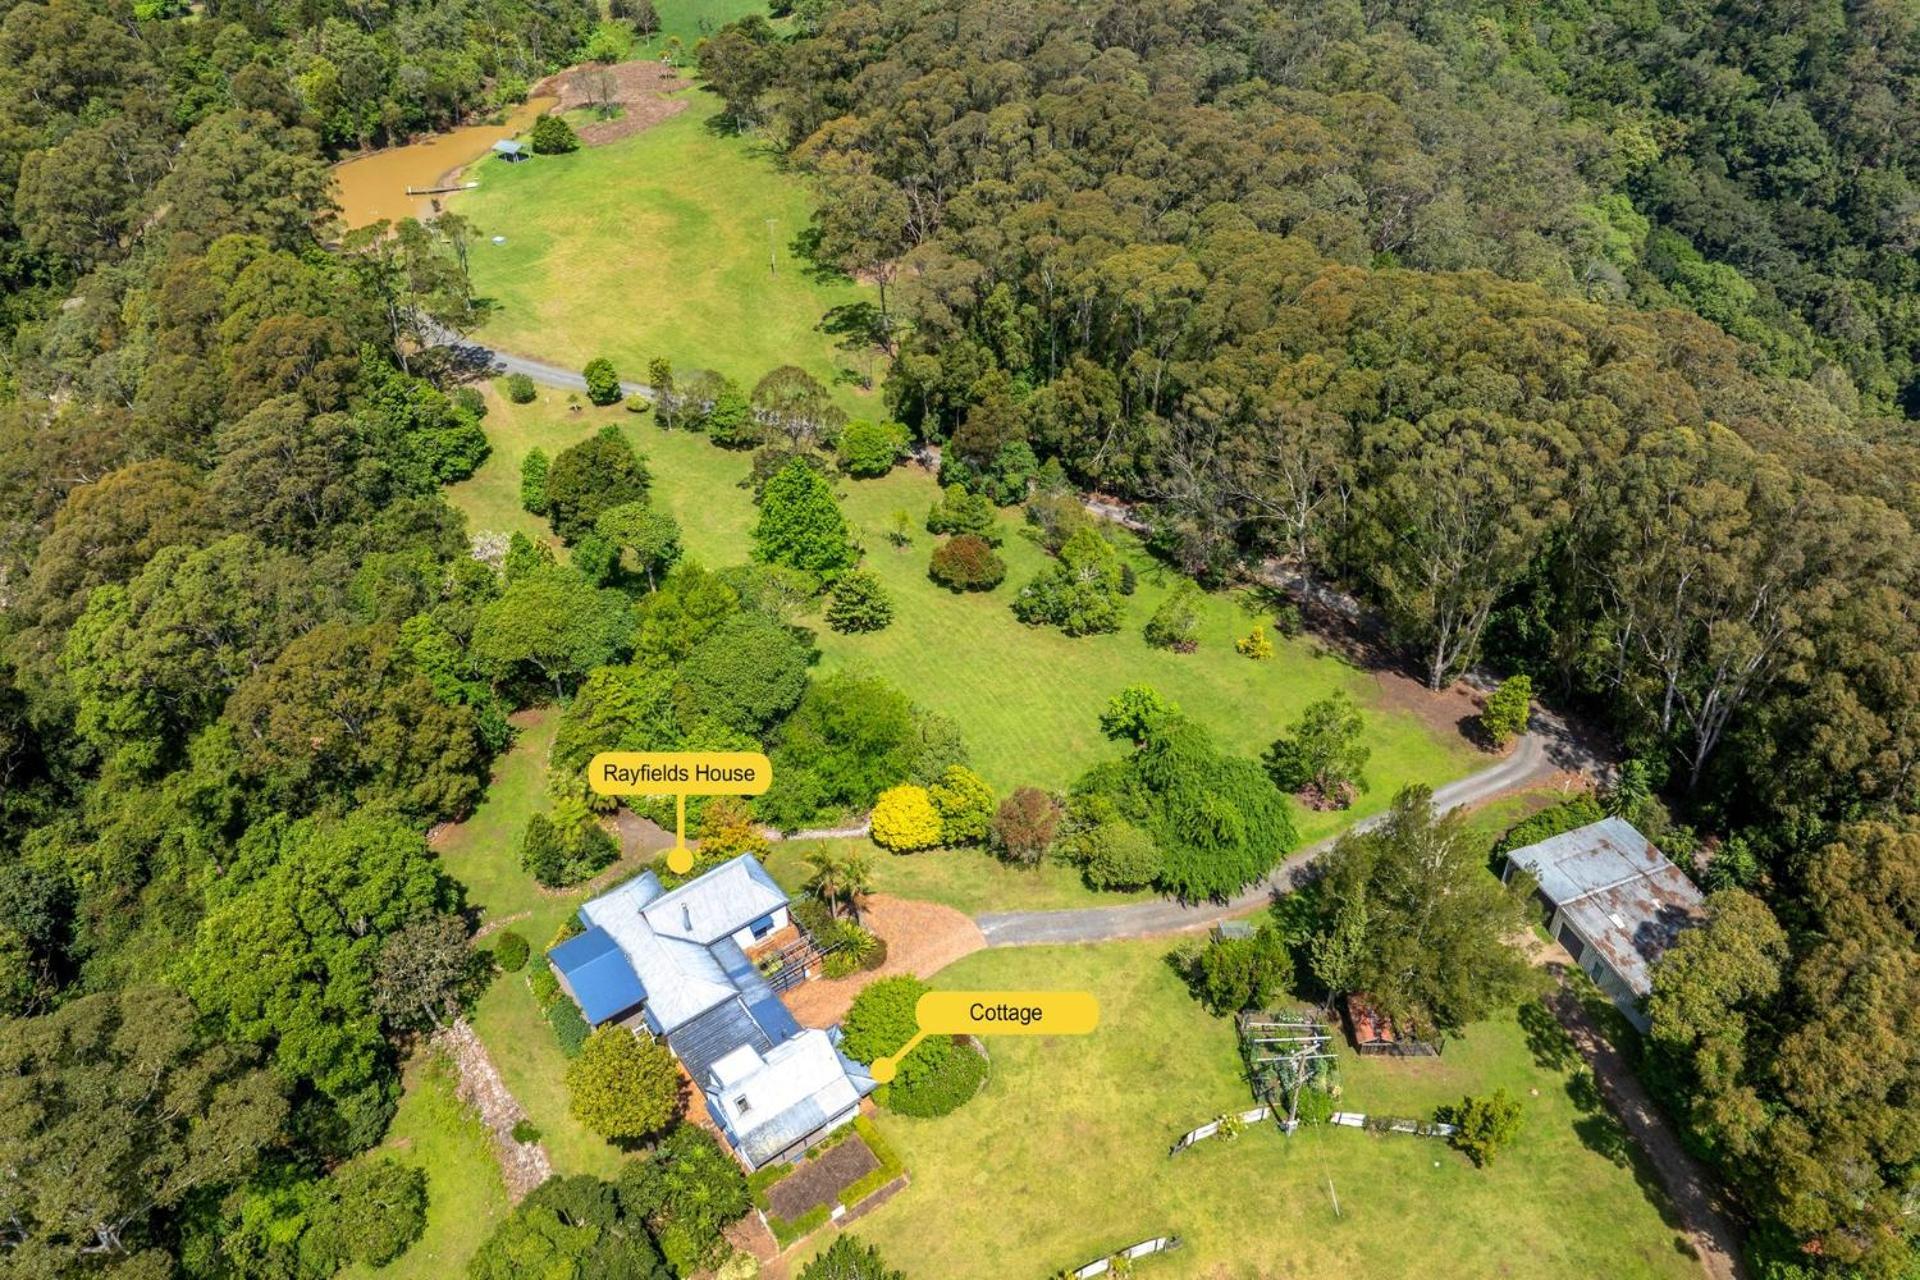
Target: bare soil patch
(750,1235)
(922,939)
(639,89)
(819,1180)
(1454,710)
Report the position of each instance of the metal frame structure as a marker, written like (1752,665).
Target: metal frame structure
(1280,1050)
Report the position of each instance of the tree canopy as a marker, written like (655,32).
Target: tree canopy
(1410,916)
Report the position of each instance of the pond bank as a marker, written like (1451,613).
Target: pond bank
(373,187)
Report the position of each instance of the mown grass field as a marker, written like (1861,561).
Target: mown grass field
(970,880)
(657,245)
(1028,699)
(1063,1157)
(693,20)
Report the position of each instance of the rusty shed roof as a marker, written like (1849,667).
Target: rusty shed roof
(1620,893)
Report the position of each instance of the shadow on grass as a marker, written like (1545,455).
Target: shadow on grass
(1598,1128)
(805,246)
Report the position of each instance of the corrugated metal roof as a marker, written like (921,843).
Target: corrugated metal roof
(598,974)
(805,1083)
(715,1034)
(724,900)
(1620,893)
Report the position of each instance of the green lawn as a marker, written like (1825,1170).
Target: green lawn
(657,245)
(971,880)
(1062,1158)
(694,20)
(434,1131)
(482,853)
(1029,699)
(693,481)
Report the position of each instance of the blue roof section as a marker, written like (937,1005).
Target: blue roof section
(755,992)
(598,974)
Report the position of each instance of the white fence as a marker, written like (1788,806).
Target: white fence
(1159,1244)
(1212,1127)
(1392,1124)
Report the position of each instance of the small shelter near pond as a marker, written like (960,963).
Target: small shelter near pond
(512,152)
(1617,904)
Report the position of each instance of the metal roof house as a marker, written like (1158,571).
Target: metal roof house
(677,962)
(512,152)
(1617,904)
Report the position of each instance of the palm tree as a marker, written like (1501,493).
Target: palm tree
(840,876)
(856,876)
(827,880)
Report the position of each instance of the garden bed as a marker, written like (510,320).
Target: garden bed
(849,1167)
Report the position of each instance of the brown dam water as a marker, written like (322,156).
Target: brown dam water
(374,187)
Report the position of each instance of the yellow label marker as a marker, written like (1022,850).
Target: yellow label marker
(680,774)
(995,1013)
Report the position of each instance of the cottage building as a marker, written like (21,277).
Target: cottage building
(678,963)
(1617,904)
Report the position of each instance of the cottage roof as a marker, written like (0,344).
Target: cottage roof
(799,1086)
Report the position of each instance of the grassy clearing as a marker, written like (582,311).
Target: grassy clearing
(433,1131)
(482,853)
(970,880)
(1063,1158)
(693,20)
(657,245)
(694,482)
(1029,699)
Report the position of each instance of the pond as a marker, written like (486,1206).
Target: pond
(375,187)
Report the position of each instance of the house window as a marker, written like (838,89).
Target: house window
(741,1106)
(762,927)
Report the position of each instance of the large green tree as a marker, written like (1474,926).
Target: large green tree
(800,524)
(1784,1057)
(554,623)
(114,1110)
(1432,949)
(288,953)
(344,715)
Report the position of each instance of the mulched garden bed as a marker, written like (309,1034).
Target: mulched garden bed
(820,1180)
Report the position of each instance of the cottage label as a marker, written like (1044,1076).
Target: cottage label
(995,1013)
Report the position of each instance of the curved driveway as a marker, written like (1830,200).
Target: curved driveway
(1546,750)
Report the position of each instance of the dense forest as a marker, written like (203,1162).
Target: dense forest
(1578,337)
(235,625)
